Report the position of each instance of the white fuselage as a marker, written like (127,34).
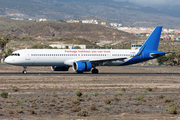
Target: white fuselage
(65,57)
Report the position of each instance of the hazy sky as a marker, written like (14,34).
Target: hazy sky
(154,2)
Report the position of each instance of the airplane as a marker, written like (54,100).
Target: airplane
(86,60)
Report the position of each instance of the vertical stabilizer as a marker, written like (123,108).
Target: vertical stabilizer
(152,42)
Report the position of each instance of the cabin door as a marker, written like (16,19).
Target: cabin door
(27,55)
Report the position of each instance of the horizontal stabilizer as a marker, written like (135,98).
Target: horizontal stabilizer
(156,54)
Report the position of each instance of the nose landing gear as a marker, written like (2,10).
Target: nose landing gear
(24,71)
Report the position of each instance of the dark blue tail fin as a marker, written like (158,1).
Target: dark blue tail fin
(152,42)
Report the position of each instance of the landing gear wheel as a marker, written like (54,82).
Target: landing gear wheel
(95,71)
(24,72)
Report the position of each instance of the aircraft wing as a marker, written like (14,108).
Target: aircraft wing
(106,59)
(71,61)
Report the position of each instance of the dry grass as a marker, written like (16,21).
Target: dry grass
(107,101)
(20,111)
(136,111)
(76,109)
(31,111)
(116,99)
(93,107)
(160,96)
(75,101)
(10,112)
(168,100)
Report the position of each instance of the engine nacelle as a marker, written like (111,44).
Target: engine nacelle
(60,68)
(81,66)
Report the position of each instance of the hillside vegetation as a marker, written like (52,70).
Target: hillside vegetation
(25,34)
(53,29)
(21,42)
(6,23)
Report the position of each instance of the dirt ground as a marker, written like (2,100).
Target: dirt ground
(53,97)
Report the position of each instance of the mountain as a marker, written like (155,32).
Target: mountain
(123,12)
(52,30)
(6,23)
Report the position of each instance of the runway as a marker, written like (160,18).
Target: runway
(34,95)
(104,71)
(89,74)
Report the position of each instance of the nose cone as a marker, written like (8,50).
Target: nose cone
(7,60)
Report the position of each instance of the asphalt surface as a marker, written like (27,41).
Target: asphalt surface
(89,74)
(33,95)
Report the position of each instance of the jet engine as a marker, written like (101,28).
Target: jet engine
(81,66)
(60,68)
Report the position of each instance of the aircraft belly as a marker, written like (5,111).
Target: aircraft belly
(113,63)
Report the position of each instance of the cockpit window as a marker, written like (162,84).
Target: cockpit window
(15,54)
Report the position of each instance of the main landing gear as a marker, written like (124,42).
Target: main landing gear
(24,71)
(95,71)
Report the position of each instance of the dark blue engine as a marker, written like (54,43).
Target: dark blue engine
(60,68)
(81,66)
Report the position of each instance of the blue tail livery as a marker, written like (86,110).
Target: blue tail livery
(149,49)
